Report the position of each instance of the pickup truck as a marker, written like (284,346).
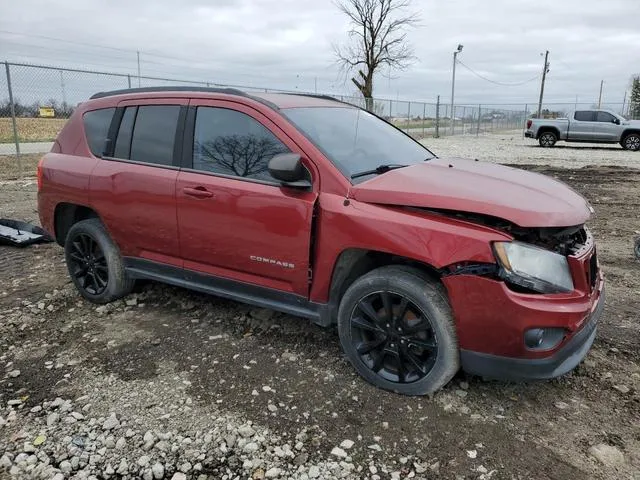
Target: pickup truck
(591,126)
(322,210)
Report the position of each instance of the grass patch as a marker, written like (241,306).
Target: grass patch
(9,166)
(31,129)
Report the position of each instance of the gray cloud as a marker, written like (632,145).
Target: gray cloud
(287,44)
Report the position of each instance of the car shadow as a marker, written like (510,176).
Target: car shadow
(572,147)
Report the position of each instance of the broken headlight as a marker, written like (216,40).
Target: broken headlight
(533,268)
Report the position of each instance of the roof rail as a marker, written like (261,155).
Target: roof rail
(229,91)
(318,95)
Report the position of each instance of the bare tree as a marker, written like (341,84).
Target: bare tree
(377,38)
(240,155)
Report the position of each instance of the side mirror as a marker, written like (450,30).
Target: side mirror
(288,168)
(616,121)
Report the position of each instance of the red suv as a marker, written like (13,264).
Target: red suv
(319,209)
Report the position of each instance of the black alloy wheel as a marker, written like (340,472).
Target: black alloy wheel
(393,337)
(88,264)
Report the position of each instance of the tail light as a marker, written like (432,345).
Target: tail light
(39,174)
(529,123)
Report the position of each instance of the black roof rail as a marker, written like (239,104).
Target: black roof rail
(320,96)
(229,91)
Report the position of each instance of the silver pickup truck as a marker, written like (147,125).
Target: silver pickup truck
(592,126)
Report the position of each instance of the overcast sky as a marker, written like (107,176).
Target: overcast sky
(288,44)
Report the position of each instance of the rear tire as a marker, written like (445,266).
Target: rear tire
(397,330)
(94,262)
(631,142)
(547,139)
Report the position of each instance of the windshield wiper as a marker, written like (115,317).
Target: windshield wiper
(378,170)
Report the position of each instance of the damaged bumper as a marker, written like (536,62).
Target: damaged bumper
(492,322)
(562,361)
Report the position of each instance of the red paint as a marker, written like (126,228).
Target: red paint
(219,225)
(497,326)
(525,198)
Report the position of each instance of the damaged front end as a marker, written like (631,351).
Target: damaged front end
(537,260)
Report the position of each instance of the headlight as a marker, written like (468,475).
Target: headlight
(533,267)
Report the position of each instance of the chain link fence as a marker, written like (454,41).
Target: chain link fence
(36,100)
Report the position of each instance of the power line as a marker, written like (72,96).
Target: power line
(184,60)
(495,82)
(45,37)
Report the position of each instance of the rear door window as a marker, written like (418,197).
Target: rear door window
(96,128)
(154,133)
(585,116)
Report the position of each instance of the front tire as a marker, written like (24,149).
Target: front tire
(94,263)
(631,142)
(397,330)
(547,139)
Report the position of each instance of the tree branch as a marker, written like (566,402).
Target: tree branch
(377,37)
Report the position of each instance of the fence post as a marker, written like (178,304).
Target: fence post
(479,120)
(129,80)
(424,114)
(13,120)
(409,117)
(452,119)
(524,120)
(464,115)
(437,134)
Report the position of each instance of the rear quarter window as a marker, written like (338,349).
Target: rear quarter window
(96,128)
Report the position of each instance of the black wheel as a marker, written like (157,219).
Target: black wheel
(397,330)
(547,139)
(631,142)
(94,262)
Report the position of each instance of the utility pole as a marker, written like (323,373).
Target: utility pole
(600,96)
(545,69)
(453,87)
(624,100)
(138,52)
(316,82)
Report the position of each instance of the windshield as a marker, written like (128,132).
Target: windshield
(356,141)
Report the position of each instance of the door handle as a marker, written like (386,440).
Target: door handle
(197,192)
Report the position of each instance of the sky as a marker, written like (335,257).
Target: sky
(287,44)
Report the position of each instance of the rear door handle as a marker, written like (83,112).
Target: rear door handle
(197,192)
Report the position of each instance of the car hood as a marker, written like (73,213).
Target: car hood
(524,198)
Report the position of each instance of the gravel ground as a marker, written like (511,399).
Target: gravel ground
(171,384)
(510,147)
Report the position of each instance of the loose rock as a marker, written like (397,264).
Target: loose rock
(111,422)
(607,454)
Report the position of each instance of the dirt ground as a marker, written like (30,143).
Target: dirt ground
(174,361)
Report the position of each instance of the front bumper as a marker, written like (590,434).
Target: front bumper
(562,361)
(529,134)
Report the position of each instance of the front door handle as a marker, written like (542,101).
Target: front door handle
(197,192)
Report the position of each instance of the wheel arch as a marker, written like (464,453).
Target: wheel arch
(352,263)
(66,215)
(629,131)
(546,129)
